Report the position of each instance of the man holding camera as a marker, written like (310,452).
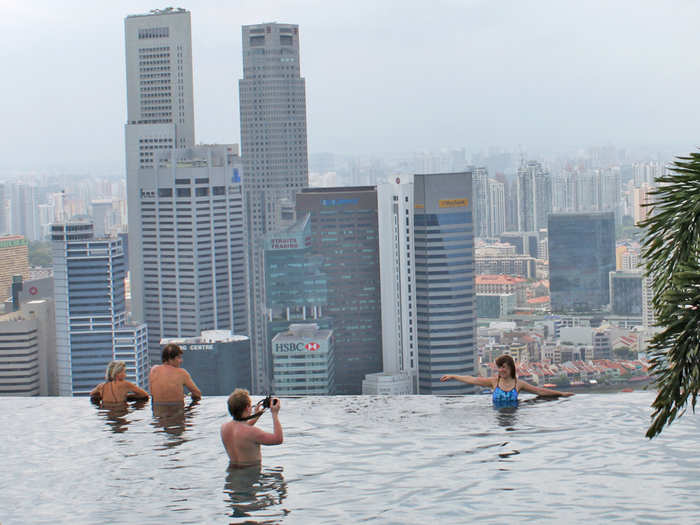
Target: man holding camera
(240,437)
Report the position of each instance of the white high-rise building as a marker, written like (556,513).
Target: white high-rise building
(534,194)
(187,245)
(398,292)
(193,244)
(274,151)
(28,350)
(160,110)
(497,208)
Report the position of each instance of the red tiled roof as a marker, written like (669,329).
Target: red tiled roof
(498,279)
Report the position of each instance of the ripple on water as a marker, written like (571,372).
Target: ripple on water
(349,459)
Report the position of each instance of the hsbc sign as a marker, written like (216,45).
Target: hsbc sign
(301,346)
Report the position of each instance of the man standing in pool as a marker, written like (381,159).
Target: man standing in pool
(167,380)
(505,384)
(240,437)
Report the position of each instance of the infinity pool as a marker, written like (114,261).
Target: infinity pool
(352,459)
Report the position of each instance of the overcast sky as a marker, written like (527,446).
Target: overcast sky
(381,76)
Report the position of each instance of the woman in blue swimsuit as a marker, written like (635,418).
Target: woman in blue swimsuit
(505,384)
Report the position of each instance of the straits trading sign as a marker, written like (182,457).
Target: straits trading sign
(292,242)
(453,203)
(286,347)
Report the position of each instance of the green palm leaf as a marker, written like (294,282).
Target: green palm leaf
(672,254)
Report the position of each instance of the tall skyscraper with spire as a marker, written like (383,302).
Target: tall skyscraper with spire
(275,156)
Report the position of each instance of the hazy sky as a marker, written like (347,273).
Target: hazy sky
(380,75)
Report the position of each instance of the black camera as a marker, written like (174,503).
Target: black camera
(268,401)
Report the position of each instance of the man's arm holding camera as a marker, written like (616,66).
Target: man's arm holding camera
(277,436)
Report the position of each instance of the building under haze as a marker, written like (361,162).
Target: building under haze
(193,244)
(274,151)
(626,293)
(398,292)
(581,256)
(160,111)
(534,197)
(91,319)
(444,280)
(296,289)
(14,260)
(187,250)
(28,350)
(344,231)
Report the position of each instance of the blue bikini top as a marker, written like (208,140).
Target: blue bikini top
(505,397)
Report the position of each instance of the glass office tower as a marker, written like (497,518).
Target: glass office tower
(91,320)
(296,289)
(444,280)
(626,293)
(344,231)
(581,257)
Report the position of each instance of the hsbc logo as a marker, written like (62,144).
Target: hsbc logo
(296,347)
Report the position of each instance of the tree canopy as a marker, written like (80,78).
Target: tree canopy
(671,250)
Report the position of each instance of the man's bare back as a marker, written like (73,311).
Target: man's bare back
(242,439)
(167,382)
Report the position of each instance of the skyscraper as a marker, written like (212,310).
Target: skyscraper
(160,110)
(398,292)
(193,244)
(534,194)
(14,260)
(187,247)
(481,202)
(581,257)
(274,151)
(91,324)
(344,232)
(444,280)
(296,289)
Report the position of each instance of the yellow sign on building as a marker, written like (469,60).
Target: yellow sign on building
(453,203)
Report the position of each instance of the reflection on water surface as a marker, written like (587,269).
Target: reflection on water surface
(350,459)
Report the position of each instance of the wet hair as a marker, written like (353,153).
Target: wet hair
(507,360)
(170,351)
(113,368)
(238,402)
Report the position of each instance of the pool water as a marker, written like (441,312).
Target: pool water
(345,459)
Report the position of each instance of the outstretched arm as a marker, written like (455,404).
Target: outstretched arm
(470,380)
(542,391)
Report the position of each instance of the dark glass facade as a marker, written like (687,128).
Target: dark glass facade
(345,234)
(626,293)
(581,257)
(444,280)
(217,367)
(296,289)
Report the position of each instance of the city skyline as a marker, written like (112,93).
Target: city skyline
(543,77)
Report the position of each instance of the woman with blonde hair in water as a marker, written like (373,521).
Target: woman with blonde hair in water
(116,389)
